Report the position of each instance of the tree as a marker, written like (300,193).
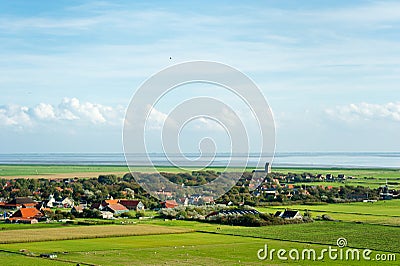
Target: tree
(107,179)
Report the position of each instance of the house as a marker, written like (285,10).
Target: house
(165,194)
(184,201)
(49,256)
(107,215)
(270,192)
(207,200)
(97,206)
(106,202)
(26,215)
(385,193)
(51,202)
(44,210)
(67,202)
(116,208)
(136,205)
(289,214)
(169,204)
(195,199)
(329,176)
(19,202)
(77,209)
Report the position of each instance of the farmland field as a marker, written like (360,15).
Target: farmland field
(79,232)
(355,172)
(380,212)
(45,171)
(176,242)
(201,248)
(91,170)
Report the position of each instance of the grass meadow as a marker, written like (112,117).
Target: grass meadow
(354,172)
(48,170)
(380,212)
(196,248)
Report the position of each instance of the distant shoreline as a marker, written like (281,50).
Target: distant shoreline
(308,160)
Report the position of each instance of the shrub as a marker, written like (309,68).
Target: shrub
(128,215)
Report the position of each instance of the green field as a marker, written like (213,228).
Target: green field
(212,244)
(48,170)
(364,183)
(380,212)
(32,170)
(355,172)
(176,242)
(230,245)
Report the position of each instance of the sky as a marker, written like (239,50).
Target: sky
(330,70)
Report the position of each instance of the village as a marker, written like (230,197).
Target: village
(110,197)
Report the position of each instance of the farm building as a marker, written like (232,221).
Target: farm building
(169,204)
(234,212)
(136,205)
(289,214)
(115,208)
(19,202)
(77,209)
(26,215)
(107,215)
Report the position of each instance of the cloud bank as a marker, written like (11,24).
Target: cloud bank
(366,111)
(70,109)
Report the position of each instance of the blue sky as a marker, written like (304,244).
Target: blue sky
(330,71)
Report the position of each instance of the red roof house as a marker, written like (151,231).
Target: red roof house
(26,215)
(169,204)
(116,208)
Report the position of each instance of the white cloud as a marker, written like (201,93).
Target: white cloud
(366,111)
(156,119)
(92,112)
(15,115)
(68,110)
(44,111)
(207,124)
